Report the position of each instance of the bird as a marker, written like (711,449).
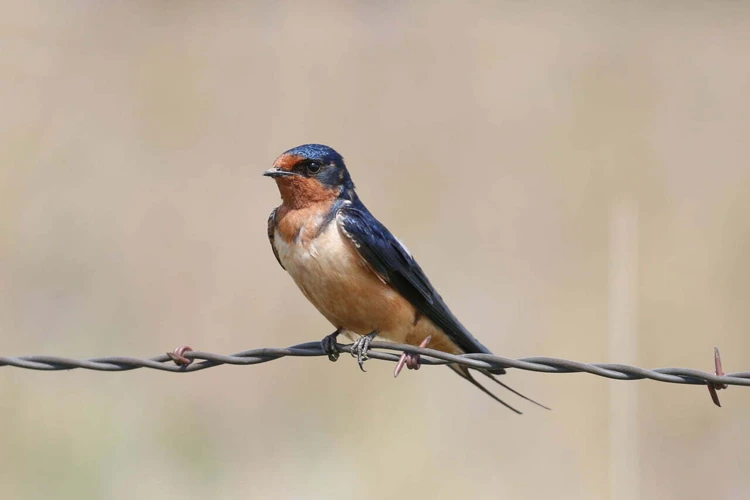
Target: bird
(358,275)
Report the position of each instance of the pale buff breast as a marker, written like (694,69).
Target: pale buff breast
(342,287)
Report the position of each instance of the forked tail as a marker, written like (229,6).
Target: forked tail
(464,372)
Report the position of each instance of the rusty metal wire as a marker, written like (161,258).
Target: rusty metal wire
(378,351)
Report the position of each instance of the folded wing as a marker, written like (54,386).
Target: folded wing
(390,259)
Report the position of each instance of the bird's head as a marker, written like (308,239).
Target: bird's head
(310,174)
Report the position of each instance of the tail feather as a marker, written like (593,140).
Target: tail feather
(506,386)
(464,373)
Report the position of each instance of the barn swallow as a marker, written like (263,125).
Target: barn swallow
(353,270)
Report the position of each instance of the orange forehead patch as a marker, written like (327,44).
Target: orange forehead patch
(287,161)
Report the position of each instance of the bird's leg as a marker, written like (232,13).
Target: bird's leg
(329,345)
(410,360)
(360,348)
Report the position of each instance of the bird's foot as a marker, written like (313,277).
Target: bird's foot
(360,348)
(329,345)
(410,360)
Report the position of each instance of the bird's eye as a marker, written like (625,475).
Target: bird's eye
(313,168)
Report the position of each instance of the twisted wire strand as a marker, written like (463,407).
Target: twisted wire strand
(379,350)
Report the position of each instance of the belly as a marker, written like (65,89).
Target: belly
(332,275)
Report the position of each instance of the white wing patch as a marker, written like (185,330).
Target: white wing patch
(356,244)
(344,231)
(404,247)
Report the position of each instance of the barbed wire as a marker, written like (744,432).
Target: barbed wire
(378,350)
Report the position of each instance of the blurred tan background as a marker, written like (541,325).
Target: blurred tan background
(496,139)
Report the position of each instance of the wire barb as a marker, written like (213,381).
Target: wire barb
(714,386)
(178,355)
(185,359)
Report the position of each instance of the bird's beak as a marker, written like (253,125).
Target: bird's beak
(275,172)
